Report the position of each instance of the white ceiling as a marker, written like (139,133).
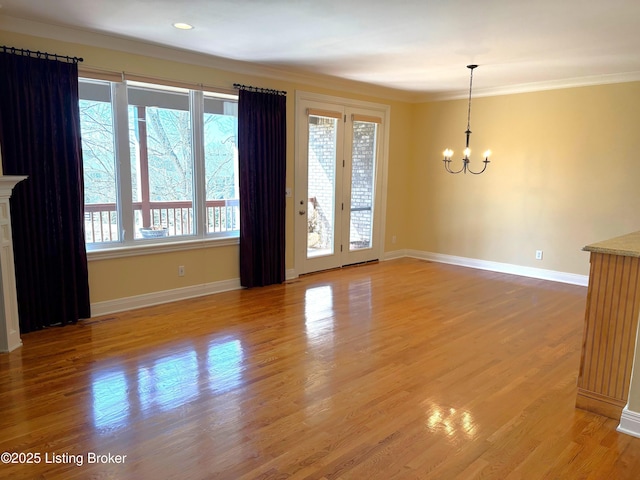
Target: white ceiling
(415,46)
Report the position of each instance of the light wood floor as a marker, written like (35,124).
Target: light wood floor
(404,369)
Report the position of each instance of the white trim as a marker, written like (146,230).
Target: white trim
(164,52)
(9,315)
(589,81)
(629,422)
(394,254)
(165,296)
(540,273)
(304,100)
(160,247)
(115,42)
(290,274)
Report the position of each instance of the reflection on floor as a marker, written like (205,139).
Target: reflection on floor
(403,369)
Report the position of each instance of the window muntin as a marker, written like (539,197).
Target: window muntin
(181,147)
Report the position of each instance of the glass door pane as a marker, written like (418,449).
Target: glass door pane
(321,185)
(363,167)
(340,171)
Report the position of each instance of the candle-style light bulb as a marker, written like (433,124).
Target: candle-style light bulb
(467,152)
(487,154)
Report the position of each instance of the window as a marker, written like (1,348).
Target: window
(221,165)
(98,152)
(160,163)
(160,149)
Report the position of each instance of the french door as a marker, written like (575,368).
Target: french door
(340,159)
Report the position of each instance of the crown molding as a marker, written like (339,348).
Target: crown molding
(162,52)
(588,81)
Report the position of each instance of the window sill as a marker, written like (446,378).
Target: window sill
(155,248)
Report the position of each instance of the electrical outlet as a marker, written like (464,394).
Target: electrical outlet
(393,239)
(538,254)
(181,271)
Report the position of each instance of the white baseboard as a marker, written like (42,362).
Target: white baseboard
(532,272)
(290,274)
(166,296)
(629,422)
(394,254)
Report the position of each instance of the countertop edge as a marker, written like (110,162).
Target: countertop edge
(626,246)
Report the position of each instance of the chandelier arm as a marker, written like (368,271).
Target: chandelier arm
(447,166)
(485,161)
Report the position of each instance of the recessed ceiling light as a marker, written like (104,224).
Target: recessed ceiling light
(183,26)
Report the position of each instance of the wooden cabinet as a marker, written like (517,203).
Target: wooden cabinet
(611,321)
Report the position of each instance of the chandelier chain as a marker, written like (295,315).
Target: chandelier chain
(469,108)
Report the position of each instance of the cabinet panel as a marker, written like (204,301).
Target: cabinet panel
(611,320)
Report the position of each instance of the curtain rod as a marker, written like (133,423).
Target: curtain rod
(39,54)
(238,86)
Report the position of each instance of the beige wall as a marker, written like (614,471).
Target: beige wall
(399,177)
(564,173)
(113,279)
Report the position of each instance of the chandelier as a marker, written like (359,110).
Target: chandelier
(465,160)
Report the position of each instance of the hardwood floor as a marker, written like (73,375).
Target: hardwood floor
(404,369)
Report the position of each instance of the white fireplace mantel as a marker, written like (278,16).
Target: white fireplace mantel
(9,320)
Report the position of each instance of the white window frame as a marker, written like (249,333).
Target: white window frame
(128,245)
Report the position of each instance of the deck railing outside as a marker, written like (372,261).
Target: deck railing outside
(177,217)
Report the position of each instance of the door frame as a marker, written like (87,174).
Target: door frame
(340,103)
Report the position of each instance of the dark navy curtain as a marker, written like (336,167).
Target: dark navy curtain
(40,137)
(262,148)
